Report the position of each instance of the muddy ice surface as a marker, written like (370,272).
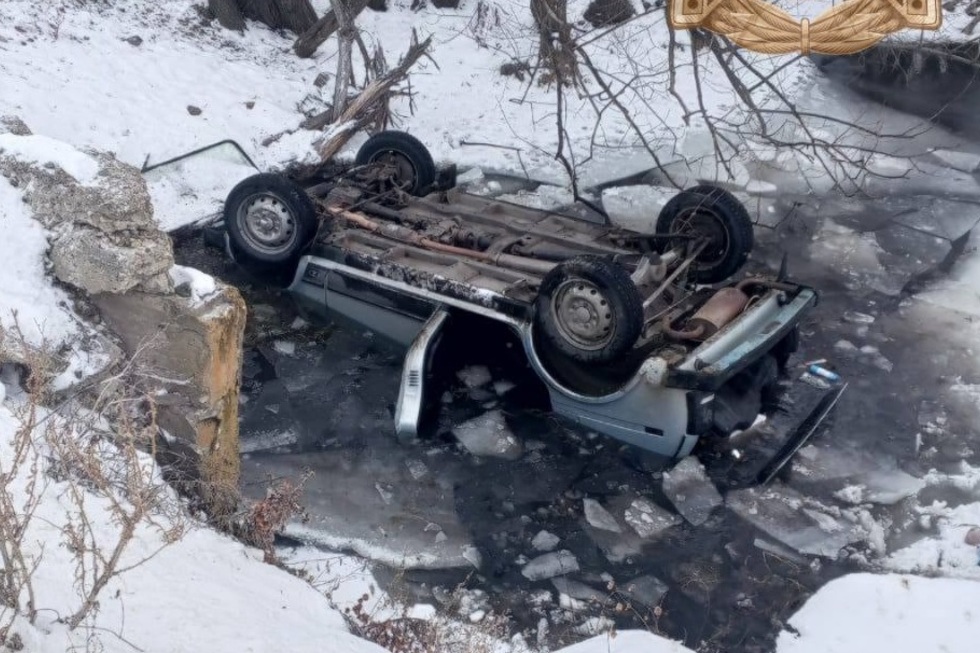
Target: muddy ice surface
(569,532)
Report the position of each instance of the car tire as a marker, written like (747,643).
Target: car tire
(406,149)
(604,297)
(715,210)
(270,220)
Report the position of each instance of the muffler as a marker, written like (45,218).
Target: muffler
(723,307)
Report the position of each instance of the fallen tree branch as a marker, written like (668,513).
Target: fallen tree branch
(310,40)
(372,100)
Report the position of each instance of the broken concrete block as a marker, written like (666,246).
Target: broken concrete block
(194,350)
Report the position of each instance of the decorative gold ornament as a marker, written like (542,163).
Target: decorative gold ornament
(850,27)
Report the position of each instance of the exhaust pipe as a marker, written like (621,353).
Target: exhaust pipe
(723,307)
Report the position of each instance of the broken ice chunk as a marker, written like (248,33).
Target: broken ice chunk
(854,317)
(599,517)
(284,347)
(577,590)
(648,519)
(488,435)
(777,513)
(474,376)
(595,626)
(550,565)
(647,590)
(962,161)
(545,541)
(691,491)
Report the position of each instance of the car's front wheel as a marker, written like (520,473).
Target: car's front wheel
(270,220)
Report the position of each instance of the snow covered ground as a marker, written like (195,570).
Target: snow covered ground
(124,76)
(899,614)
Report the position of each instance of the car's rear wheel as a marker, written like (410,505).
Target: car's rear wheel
(270,220)
(589,309)
(409,164)
(713,214)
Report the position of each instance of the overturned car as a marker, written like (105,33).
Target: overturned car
(645,337)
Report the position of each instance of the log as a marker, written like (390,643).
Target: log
(296,16)
(310,40)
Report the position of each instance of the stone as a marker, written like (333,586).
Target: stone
(195,354)
(545,541)
(599,517)
(691,491)
(135,41)
(194,111)
(550,565)
(648,519)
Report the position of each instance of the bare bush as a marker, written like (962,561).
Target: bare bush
(269,516)
(93,465)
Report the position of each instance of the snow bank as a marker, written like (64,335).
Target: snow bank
(860,613)
(627,641)
(44,151)
(205,592)
(42,311)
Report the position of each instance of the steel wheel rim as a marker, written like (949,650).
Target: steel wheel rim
(583,314)
(267,224)
(406,176)
(693,222)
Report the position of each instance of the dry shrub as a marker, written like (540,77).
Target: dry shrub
(269,516)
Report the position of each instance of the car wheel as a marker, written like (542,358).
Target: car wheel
(414,169)
(712,212)
(589,309)
(269,219)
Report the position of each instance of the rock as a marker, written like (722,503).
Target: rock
(962,161)
(647,590)
(691,491)
(488,435)
(550,565)
(604,13)
(599,517)
(782,514)
(194,111)
(545,541)
(135,41)
(104,237)
(648,519)
(199,346)
(445,4)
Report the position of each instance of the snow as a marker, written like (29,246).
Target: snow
(627,641)
(28,298)
(48,151)
(201,285)
(895,613)
(203,592)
